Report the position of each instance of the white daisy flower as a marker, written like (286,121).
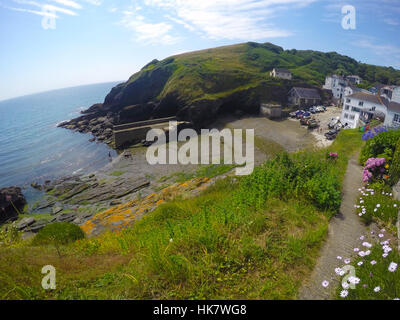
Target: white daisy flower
(392,267)
(344,293)
(325,283)
(377,289)
(367,244)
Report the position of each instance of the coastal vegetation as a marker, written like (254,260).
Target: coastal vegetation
(376,261)
(241,238)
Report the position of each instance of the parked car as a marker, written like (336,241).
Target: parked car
(312,124)
(299,114)
(333,122)
(331,135)
(304,121)
(293,114)
(339,126)
(320,109)
(313,110)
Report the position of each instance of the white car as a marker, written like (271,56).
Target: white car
(333,122)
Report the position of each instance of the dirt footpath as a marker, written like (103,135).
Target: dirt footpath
(343,236)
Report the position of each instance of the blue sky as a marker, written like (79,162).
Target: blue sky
(106,40)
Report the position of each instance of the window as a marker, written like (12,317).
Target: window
(346,116)
(361,103)
(354,109)
(348,100)
(347,107)
(373,108)
(352,117)
(396,118)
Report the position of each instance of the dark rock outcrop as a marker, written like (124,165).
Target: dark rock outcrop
(11,201)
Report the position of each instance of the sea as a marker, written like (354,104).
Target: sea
(32,148)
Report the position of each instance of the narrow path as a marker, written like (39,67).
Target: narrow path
(344,231)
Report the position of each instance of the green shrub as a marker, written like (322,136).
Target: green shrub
(381,146)
(304,175)
(60,233)
(394,170)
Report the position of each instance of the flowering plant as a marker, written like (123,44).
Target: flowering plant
(370,134)
(374,169)
(333,155)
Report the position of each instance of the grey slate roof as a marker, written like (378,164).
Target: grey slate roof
(282,70)
(307,93)
(394,106)
(366,97)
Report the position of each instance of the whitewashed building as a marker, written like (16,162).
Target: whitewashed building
(354,79)
(396,94)
(392,119)
(349,90)
(281,73)
(336,84)
(360,107)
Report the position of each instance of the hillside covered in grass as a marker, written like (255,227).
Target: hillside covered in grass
(198,85)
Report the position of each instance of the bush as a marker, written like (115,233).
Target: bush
(306,176)
(394,170)
(60,233)
(381,146)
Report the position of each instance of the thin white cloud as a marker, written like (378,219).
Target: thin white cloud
(36,12)
(391,21)
(42,7)
(67,7)
(148,33)
(229,19)
(95,2)
(388,53)
(68,3)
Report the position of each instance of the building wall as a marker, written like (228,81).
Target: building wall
(336,85)
(390,117)
(396,95)
(352,110)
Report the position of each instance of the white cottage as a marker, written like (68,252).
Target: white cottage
(281,73)
(360,107)
(354,79)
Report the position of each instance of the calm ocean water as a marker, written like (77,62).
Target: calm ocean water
(32,148)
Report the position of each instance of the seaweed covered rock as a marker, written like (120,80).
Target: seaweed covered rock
(12,201)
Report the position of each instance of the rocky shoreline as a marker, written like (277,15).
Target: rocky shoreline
(101,127)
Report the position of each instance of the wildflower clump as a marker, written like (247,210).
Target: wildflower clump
(376,275)
(376,203)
